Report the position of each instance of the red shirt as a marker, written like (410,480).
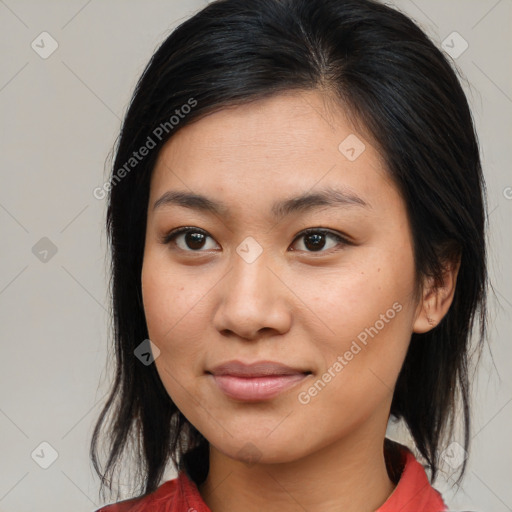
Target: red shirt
(413,493)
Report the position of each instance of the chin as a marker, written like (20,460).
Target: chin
(252,450)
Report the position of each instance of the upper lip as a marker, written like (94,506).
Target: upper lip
(256,369)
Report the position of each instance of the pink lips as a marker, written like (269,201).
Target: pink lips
(257,381)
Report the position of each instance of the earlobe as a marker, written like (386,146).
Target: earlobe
(436,300)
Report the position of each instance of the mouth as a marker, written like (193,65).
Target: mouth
(257,381)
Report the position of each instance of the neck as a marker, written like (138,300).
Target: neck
(349,474)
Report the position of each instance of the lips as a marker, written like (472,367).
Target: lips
(257,381)
(257,369)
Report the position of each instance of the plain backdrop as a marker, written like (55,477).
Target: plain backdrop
(60,116)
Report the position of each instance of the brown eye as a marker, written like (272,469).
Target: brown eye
(188,239)
(315,240)
(192,239)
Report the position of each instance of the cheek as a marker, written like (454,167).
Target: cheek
(170,297)
(170,307)
(356,299)
(173,303)
(359,375)
(368,313)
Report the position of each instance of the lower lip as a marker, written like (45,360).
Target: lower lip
(256,388)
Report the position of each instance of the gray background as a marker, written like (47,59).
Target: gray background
(60,117)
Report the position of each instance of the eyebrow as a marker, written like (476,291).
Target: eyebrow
(302,203)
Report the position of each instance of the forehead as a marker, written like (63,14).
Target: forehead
(287,143)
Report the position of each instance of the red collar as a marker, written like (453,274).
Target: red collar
(413,493)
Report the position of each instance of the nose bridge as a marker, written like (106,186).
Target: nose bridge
(250,275)
(252,297)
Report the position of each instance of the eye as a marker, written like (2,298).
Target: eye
(315,240)
(193,239)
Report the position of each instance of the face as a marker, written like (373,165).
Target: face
(245,283)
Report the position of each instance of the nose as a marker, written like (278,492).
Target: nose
(253,300)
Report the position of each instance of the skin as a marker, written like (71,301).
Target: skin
(293,304)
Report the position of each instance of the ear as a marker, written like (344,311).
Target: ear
(436,300)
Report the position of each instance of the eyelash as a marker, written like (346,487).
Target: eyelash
(172,235)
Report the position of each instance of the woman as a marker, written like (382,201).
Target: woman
(297,223)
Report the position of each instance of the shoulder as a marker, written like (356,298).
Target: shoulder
(165,492)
